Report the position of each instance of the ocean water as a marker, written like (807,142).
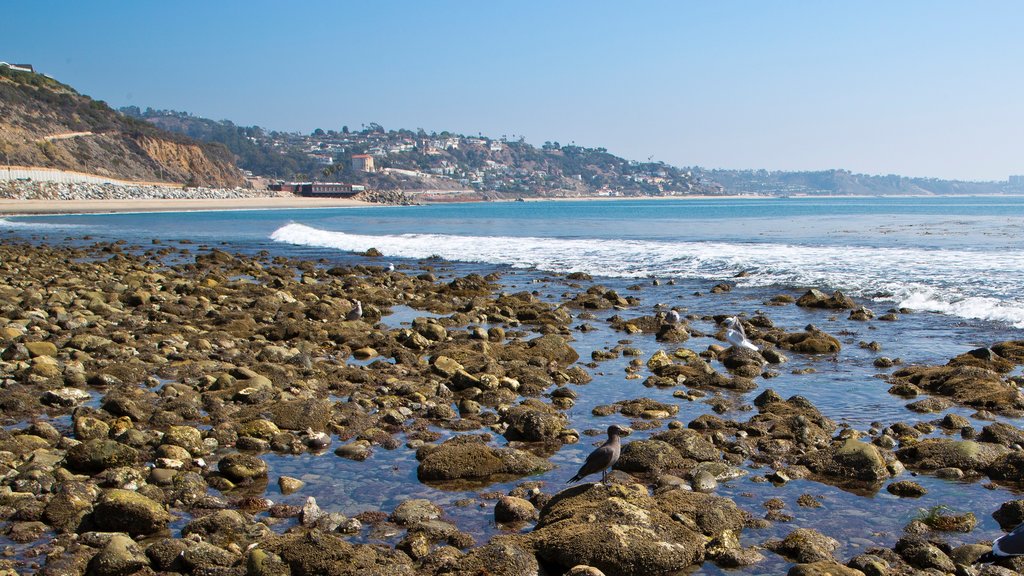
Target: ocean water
(958,263)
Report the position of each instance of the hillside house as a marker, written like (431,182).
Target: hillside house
(363,163)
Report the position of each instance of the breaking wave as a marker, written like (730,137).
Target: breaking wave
(965,283)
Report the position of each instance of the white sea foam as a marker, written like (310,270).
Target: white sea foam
(969,284)
(5,223)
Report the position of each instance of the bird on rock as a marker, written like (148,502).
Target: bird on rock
(603,458)
(672,317)
(736,336)
(1005,546)
(356,312)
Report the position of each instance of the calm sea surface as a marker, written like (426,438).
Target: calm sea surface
(957,262)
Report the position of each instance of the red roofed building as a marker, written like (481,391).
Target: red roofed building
(363,163)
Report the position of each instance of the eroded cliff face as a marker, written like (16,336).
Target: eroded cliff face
(186,161)
(47,124)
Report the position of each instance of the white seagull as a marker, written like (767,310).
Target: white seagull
(1005,546)
(735,335)
(356,312)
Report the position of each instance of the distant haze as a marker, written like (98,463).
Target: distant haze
(917,88)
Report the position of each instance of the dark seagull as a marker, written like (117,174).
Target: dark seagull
(603,458)
(1005,546)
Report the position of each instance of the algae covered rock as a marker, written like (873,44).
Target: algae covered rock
(100,454)
(120,556)
(128,511)
(617,529)
(532,422)
(468,457)
(851,459)
(241,467)
(936,453)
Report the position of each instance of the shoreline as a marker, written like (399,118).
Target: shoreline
(59,207)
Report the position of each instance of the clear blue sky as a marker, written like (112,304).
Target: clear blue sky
(919,88)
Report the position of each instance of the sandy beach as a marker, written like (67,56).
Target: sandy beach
(24,207)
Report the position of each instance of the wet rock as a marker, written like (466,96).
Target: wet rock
(289,485)
(1002,433)
(224,527)
(414,511)
(120,557)
(815,298)
(968,385)
(186,437)
(935,453)
(166,554)
(618,530)
(870,564)
(316,553)
(742,361)
(1010,514)
(206,556)
(466,457)
(849,459)
(1007,467)
(704,513)
(929,405)
(823,569)
(805,546)
(500,559)
(906,489)
(242,467)
(129,511)
(703,481)
(69,505)
(922,554)
(533,421)
(512,509)
(100,454)
(649,457)
(65,397)
(690,444)
(812,341)
(357,450)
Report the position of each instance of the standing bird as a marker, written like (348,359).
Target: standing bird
(736,336)
(356,312)
(603,458)
(1005,546)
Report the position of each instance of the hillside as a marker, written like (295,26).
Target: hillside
(843,182)
(478,167)
(45,123)
(408,160)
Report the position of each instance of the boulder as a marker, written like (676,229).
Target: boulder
(936,453)
(805,546)
(242,467)
(513,509)
(968,385)
(129,511)
(120,557)
(815,298)
(499,558)
(100,454)
(468,457)
(823,569)
(533,423)
(849,459)
(649,457)
(414,511)
(617,529)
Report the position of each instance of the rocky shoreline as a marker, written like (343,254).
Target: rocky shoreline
(67,192)
(142,388)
